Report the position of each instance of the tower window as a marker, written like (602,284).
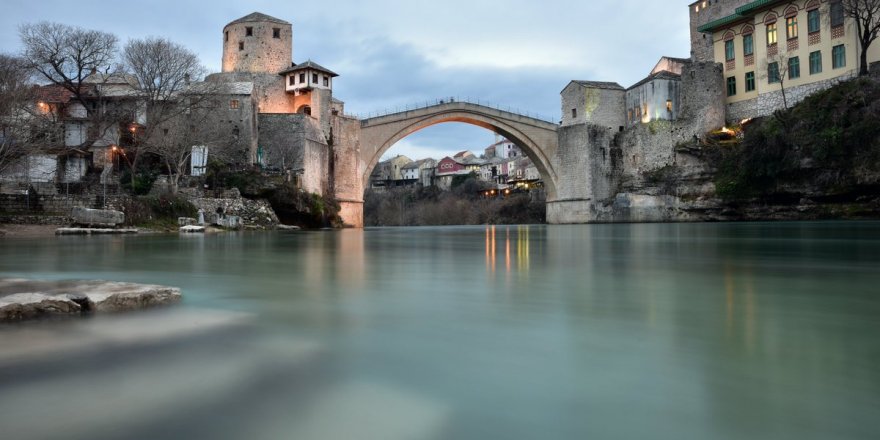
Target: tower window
(326,81)
(234,104)
(276,32)
(241,45)
(249,31)
(574,113)
(315,78)
(226,36)
(302,78)
(292,79)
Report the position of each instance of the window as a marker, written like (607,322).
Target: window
(794,68)
(248,31)
(326,81)
(750,81)
(791,28)
(276,32)
(729,52)
(574,113)
(815,62)
(234,104)
(315,78)
(731,86)
(838,56)
(292,79)
(669,105)
(773,73)
(241,45)
(836,13)
(302,78)
(813,22)
(771,34)
(226,36)
(748,44)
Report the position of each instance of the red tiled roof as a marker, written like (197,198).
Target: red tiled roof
(53,94)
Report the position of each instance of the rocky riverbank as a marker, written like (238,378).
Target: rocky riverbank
(22,299)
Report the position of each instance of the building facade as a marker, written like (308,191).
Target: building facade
(776,53)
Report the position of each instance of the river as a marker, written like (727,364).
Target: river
(679,331)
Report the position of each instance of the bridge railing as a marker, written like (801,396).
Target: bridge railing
(447,100)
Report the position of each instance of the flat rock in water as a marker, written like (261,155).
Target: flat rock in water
(94,231)
(287,228)
(26,299)
(192,229)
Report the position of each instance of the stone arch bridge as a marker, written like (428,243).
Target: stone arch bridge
(361,143)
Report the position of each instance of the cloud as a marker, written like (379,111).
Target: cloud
(394,53)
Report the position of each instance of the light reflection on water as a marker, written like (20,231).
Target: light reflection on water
(721,331)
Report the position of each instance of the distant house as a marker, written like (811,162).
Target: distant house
(412,172)
(389,173)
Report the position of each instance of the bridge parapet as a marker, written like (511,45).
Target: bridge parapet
(454,103)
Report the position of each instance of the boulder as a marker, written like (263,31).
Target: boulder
(26,299)
(192,229)
(97,217)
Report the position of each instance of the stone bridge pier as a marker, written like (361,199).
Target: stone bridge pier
(561,155)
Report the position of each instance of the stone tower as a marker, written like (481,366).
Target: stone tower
(703,12)
(257,43)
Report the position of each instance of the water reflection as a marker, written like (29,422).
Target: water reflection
(518,262)
(694,331)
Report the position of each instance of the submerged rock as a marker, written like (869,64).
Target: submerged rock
(26,299)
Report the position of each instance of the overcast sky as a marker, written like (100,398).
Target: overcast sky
(391,53)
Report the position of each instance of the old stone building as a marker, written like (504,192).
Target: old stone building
(594,102)
(285,116)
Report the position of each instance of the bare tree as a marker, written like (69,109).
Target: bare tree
(866,14)
(82,62)
(67,55)
(24,127)
(776,70)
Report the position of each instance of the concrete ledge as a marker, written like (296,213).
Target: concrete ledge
(94,231)
(26,299)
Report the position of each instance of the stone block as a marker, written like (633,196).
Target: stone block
(97,217)
(186,221)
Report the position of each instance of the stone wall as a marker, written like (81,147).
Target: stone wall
(767,103)
(252,212)
(296,142)
(347,169)
(583,161)
(50,204)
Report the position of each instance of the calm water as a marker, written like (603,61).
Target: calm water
(704,331)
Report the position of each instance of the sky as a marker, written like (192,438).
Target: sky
(393,53)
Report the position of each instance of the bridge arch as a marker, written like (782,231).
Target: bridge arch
(537,138)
